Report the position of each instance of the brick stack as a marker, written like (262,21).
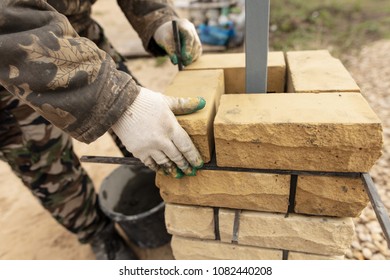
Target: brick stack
(314,119)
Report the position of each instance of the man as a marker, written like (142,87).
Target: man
(48,70)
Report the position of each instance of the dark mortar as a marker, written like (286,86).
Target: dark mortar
(139,195)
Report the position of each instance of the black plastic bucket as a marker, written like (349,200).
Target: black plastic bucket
(130,197)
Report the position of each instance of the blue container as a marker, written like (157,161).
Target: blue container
(215,35)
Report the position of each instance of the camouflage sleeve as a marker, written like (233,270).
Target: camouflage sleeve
(146,16)
(62,76)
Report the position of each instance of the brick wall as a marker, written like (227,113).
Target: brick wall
(314,119)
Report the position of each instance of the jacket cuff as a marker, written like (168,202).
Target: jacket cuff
(113,101)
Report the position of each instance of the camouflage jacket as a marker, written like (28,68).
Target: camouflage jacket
(64,77)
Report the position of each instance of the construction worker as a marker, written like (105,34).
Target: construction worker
(58,83)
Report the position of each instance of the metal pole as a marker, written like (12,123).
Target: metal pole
(377,205)
(256,44)
(176,37)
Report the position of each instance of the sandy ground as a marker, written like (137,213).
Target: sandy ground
(27,230)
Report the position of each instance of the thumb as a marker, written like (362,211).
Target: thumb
(185,105)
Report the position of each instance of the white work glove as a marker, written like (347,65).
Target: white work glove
(149,130)
(191,47)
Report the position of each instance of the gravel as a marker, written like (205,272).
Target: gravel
(371,70)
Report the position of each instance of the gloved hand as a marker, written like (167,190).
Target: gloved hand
(149,130)
(191,47)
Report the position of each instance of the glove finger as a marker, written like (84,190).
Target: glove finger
(174,154)
(196,49)
(185,105)
(191,45)
(149,162)
(185,146)
(166,165)
(167,45)
(170,49)
(187,44)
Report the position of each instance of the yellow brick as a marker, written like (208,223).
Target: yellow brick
(197,249)
(203,221)
(323,132)
(330,196)
(208,84)
(317,71)
(233,65)
(242,190)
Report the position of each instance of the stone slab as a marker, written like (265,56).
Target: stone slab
(314,132)
(233,65)
(203,220)
(310,234)
(197,249)
(210,85)
(330,196)
(242,190)
(317,71)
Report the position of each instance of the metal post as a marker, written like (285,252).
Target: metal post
(377,205)
(256,44)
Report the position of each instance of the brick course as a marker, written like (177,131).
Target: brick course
(197,249)
(310,234)
(313,132)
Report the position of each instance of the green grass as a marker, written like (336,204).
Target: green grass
(341,26)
